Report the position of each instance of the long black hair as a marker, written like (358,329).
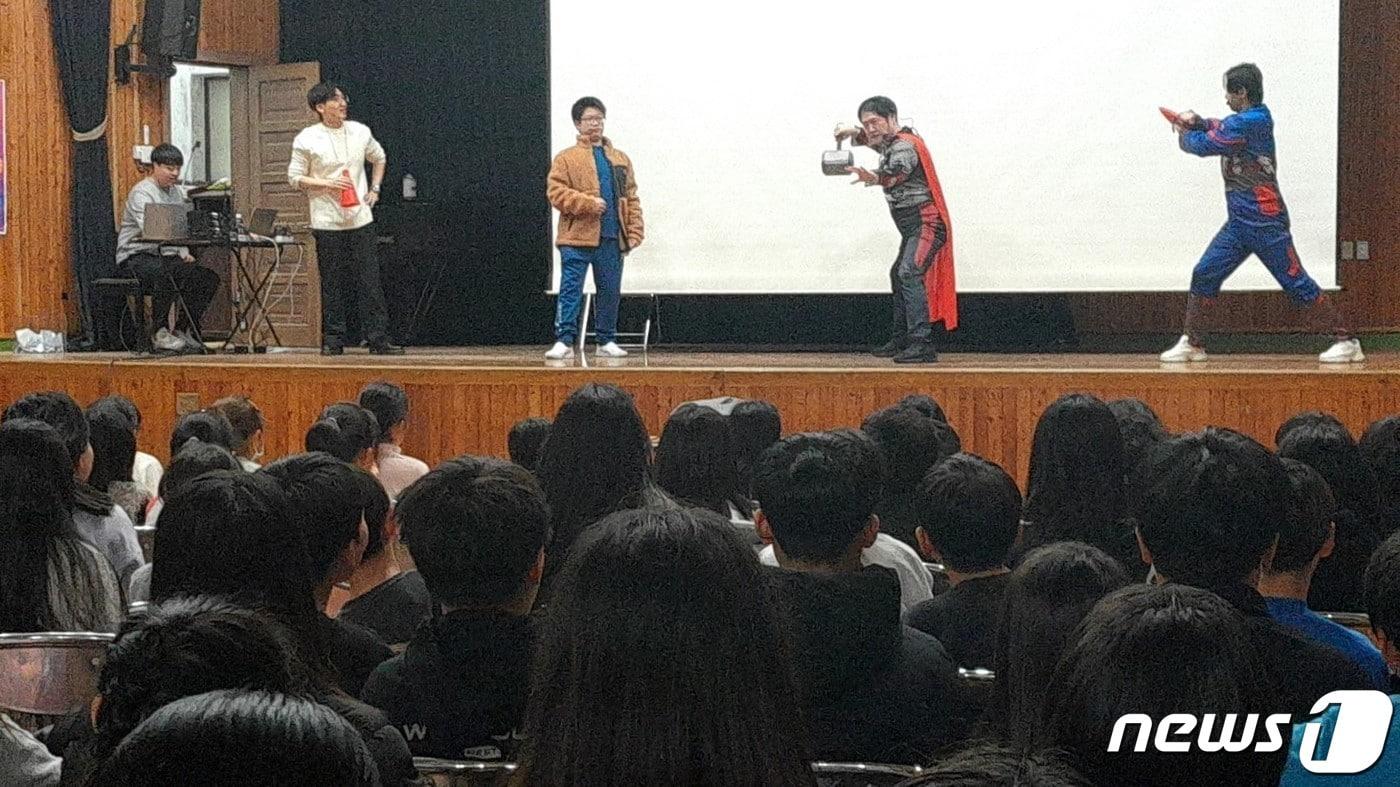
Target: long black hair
(36,511)
(346,431)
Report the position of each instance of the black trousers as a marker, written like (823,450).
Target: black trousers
(166,277)
(349,265)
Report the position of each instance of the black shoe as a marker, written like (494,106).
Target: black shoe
(385,349)
(889,349)
(917,353)
(332,349)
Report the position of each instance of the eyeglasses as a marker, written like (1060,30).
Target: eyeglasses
(591,119)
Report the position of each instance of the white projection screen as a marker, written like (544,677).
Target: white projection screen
(1060,174)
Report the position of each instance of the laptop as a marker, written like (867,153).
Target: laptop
(263,220)
(164,222)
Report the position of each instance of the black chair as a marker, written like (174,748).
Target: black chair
(123,295)
(457,773)
(862,774)
(49,674)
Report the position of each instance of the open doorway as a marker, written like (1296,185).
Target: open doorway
(201,111)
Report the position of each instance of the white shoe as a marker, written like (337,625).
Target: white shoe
(611,350)
(167,341)
(1182,352)
(1344,351)
(559,352)
(191,343)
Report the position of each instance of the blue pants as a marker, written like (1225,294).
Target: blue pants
(1274,247)
(606,260)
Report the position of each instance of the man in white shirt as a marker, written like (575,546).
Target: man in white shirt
(328,163)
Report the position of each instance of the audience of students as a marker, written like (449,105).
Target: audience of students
(695,462)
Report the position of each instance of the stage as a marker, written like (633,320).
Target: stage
(465,399)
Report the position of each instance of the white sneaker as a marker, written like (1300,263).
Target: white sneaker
(167,341)
(191,343)
(559,352)
(1182,352)
(1345,351)
(611,350)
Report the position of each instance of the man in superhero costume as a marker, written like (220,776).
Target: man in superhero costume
(921,279)
(1258,219)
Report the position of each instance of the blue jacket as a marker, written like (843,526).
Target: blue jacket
(1245,143)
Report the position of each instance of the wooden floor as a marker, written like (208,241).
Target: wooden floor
(465,399)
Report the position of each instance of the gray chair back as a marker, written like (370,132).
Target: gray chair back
(433,772)
(1356,621)
(146,535)
(50,673)
(862,774)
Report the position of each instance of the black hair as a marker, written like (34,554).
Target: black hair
(196,459)
(185,646)
(474,526)
(116,403)
(911,443)
(817,490)
(244,418)
(880,105)
(1380,446)
(113,442)
(1159,650)
(754,424)
(207,426)
(695,461)
(376,505)
(1209,506)
(1075,490)
(1308,419)
(58,410)
(587,102)
(388,402)
(345,430)
(596,461)
(925,404)
(230,738)
(987,764)
(1046,596)
(36,509)
(1140,427)
(526,440)
(167,154)
(321,93)
(1311,509)
(970,509)
(327,505)
(1323,443)
(1383,590)
(1246,77)
(613,703)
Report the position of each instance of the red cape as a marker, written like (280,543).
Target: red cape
(940,282)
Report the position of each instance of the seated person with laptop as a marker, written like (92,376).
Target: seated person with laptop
(164,272)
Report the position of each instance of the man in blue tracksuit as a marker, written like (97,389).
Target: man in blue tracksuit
(1258,219)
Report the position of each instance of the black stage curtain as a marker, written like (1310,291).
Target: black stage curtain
(82,42)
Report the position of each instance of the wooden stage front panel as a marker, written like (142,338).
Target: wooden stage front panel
(465,400)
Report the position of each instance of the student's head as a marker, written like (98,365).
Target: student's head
(247,423)
(116,403)
(924,404)
(1156,651)
(1048,593)
(1322,442)
(1209,507)
(589,115)
(184,646)
(969,513)
(994,765)
(754,425)
(196,459)
(330,101)
(1383,597)
(58,410)
(663,662)
(1075,487)
(476,528)
(816,493)
(231,533)
(230,738)
(389,404)
(1306,533)
(1139,426)
(207,426)
(113,441)
(879,117)
(695,460)
(526,440)
(381,527)
(911,442)
(1244,86)
(36,507)
(328,504)
(1380,447)
(347,432)
(166,162)
(596,460)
